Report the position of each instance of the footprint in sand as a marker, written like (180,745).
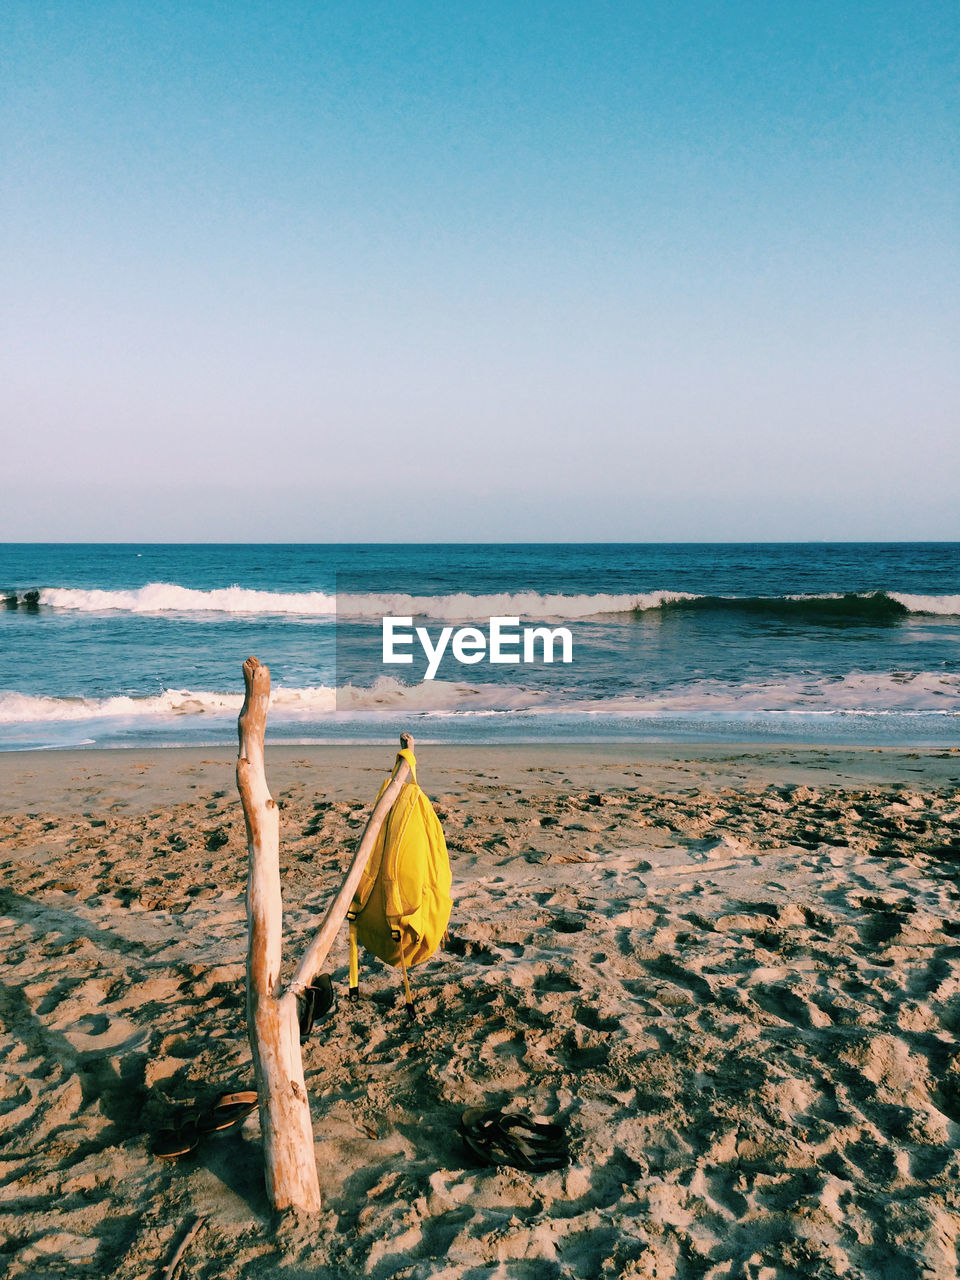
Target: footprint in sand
(555,981)
(589,1017)
(790,1006)
(580,1049)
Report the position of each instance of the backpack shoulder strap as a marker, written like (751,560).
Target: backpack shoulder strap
(407,755)
(371,871)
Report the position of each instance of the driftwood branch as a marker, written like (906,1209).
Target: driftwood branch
(171,1268)
(319,948)
(289,1160)
(272,1025)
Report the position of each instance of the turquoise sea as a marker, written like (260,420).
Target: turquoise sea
(123,645)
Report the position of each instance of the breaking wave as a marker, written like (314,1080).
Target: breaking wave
(858,693)
(167,597)
(21,708)
(164,597)
(312,701)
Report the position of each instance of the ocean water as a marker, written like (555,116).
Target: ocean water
(123,645)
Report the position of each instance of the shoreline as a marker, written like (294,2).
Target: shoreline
(29,779)
(941,733)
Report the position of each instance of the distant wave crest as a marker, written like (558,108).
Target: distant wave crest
(166,597)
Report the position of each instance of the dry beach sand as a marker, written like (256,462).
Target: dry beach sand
(733,973)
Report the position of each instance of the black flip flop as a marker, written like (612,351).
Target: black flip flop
(179,1138)
(187,1125)
(506,1138)
(227,1110)
(314,1003)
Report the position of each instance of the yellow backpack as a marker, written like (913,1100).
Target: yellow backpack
(402,905)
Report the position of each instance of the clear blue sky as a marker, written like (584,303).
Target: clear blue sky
(495,269)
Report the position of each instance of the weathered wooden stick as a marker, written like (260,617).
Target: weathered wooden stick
(290,1164)
(171,1268)
(323,940)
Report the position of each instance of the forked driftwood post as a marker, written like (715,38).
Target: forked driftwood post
(289,1161)
(290,1165)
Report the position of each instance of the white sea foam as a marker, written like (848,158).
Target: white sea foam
(312,701)
(440,696)
(947,605)
(168,597)
(523,604)
(858,693)
(19,708)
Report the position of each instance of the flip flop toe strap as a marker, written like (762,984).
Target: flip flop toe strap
(534,1133)
(228,1109)
(241,1098)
